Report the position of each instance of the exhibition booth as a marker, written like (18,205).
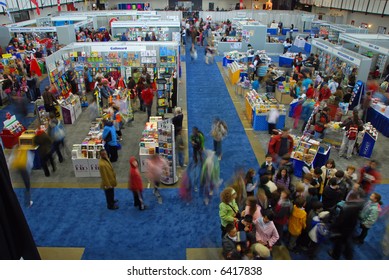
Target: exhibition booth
(247,32)
(137,30)
(375,46)
(122,57)
(331,56)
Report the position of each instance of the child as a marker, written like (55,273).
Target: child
(282,211)
(180,147)
(231,249)
(246,225)
(306,182)
(297,222)
(297,113)
(318,232)
(135,184)
(267,166)
(317,180)
(249,182)
(369,216)
(308,160)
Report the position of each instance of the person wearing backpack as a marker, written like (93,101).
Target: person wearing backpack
(321,121)
(352,126)
(56,132)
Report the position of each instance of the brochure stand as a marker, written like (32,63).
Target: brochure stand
(166,149)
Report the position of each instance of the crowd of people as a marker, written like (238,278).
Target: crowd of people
(275,208)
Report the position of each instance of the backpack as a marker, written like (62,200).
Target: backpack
(352,132)
(58,132)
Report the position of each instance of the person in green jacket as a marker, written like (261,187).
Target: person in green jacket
(369,216)
(197,141)
(228,209)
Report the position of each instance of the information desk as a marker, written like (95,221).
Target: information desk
(379,121)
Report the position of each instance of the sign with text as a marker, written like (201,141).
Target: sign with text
(117,48)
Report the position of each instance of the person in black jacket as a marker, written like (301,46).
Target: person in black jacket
(343,227)
(331,195)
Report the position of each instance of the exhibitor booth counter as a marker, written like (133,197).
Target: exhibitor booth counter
(258,107)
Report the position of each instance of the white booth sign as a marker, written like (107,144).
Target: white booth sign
(32,29)
(320,45)
(347,57)
(117,48)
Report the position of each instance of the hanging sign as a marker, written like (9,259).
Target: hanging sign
(32,29)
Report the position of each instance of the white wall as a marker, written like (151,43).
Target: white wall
(155,4)
(345,17)
(33,15)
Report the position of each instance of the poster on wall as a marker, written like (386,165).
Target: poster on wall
(236,46)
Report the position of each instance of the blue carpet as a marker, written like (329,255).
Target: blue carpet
(207,98)
(78,218)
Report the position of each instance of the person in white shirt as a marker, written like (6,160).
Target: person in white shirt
(287,45)
(272,119)
(333,85)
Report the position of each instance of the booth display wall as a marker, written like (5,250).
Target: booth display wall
(265,17)
(5,37)
(158,57)
(66,34)
(343,55)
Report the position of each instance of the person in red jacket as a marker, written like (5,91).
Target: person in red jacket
(325,92)
(281,145)
(148,96)
(369,176)
(310,92)
(135,184)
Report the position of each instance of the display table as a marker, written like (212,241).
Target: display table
(85,156)
(379,121)
(257,108)
(285,61)
(305,145)
(307,47)
(272,31)
(369,139)
(11,132)
(71,109)
(227,61)
(286,30)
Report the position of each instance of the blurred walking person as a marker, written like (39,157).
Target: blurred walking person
(219,132)
(21,161)
(156,167)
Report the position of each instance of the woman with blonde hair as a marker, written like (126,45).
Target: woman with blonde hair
(228,209)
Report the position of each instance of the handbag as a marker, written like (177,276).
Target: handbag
(119,146)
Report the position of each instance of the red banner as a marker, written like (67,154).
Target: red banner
(35,2)
(59,5)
